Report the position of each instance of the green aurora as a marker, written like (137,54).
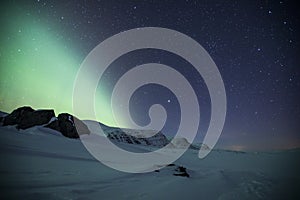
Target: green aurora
(38,67)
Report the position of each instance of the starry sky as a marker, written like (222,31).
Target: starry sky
(255,45)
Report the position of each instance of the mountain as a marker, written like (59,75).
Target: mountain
(135,137)
(65,123)
(26,117)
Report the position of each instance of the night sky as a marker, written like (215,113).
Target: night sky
(254,44)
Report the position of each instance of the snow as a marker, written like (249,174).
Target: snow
(180,143)
(52,120)
(40,163)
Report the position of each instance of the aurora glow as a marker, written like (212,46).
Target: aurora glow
(254,45)
(38,68)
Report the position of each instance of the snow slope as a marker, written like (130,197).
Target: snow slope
(39,163)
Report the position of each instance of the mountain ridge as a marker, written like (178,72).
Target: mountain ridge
(26,117)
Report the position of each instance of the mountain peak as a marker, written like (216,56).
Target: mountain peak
(26,117)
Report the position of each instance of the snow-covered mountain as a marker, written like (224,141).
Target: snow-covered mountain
(134,137)
(180,143)
(26,117)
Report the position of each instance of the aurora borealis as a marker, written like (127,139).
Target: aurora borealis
(254,44)
(34,56)
(40,66)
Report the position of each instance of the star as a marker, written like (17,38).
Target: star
(258,67)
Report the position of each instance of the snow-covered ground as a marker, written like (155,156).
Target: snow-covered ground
(39,163)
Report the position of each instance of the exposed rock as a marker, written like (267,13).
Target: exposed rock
(16,116)
(38,117)
(69,126)
(181,171)
(122,135)
(54,125)
(26,117)
(2,115)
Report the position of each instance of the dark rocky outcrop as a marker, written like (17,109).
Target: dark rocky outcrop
(177,170)
(16,116)
(69,126)
(170,165)
(38,117)
(1,121)
(119,135)
(26,117)
(181,171)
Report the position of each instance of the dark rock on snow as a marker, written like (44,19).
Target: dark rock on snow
(170,165)
(181,171)
(16,116)
(69,126)
(158,140)
(26,117)
(37,117)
